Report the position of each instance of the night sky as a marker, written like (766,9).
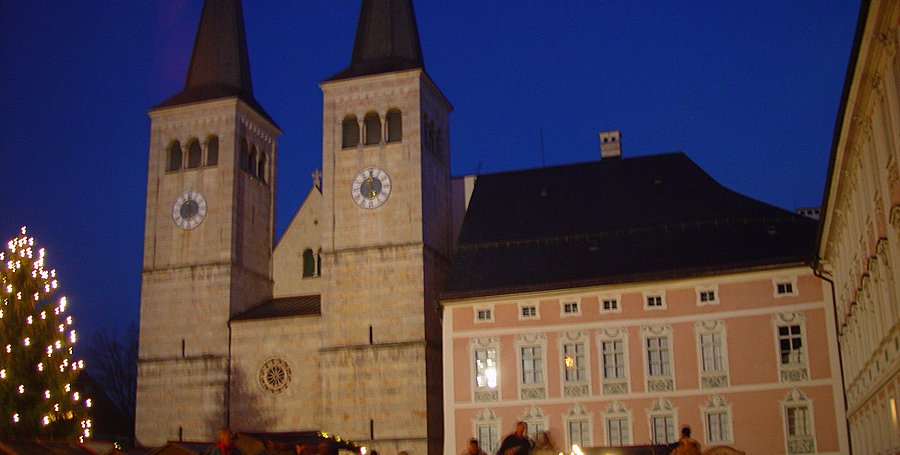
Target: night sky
(748,89)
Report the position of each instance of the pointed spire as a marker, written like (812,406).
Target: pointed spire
(387,40)
(220,66)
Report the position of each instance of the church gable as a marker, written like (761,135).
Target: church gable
(296,264)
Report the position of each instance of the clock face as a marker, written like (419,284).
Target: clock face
(371,188)
(189,209)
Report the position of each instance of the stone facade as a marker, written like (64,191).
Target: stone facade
(859,248)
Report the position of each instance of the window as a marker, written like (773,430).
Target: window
(790,344)
(319,262)
(711,351)
(486,368)
(798,422)
(212,151)
(174,157)
(798,418)
(717,420)
(349,132)
(527,312)
(785,287)
(617,431)
(373,128)
(261,168)
(488,437)
(574,362)
(707,295)
(195,155)
(579,433)
(655,301)
(571,308)
(662,429)
(613,359)
(658,356)
(537,423)
(484,315)
(610,305)
(532,365)
(394,126)
(309,264)
(245,155)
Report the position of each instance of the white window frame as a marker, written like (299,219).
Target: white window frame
(659,382)
(662,408)
(655,294)
(485,393)
(702,291)
(793,371)
(489,309)
(534,305)
(791,280)
(486,418)
(531,390)
(617,411)
(569,301)
(796,399)
(578,413)
(575,388)
(611,297)
(712,378)
(717,405)
(618,385)
(537,422)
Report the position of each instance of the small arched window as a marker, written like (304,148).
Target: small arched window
(261,168)
(319,262)
(309,263)
(212,151)
(394,125)
(373,128)
(251,162)
(350,132)
(195,155)
(174,157)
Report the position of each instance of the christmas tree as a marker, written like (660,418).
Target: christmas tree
(38,399)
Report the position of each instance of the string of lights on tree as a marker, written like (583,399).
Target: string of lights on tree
(38,398)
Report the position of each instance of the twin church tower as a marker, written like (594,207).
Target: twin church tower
(337,328)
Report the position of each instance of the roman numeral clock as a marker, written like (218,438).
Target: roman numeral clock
(371,188)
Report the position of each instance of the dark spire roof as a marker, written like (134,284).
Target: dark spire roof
(616,221)
(387,40)
(220,67)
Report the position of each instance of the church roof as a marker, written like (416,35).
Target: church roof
(303,305)
(615,221)
(387,40)
(220,65)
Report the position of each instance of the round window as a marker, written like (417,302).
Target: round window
(274,375)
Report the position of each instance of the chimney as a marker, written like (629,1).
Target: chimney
(610,144)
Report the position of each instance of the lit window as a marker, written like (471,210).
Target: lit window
(574,362)
(486,368)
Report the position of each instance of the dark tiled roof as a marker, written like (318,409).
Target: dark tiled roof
(220,66)
(387,39)
(615,221)
(303,305)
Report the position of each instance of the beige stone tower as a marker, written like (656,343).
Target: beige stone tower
(209,233)
(386,243)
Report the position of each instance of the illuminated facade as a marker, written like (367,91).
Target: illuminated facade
(859,246)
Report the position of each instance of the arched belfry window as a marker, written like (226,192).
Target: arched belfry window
(261,168)
(394,126)
(251,161)
(195,155)
(309,263)
(373,128)
(349,132)
(212,151)
(174,157)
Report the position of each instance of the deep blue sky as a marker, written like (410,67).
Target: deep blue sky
(748,89)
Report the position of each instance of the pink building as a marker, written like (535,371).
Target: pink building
(610,303)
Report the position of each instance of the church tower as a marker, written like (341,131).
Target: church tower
(209,232)
(386,245)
